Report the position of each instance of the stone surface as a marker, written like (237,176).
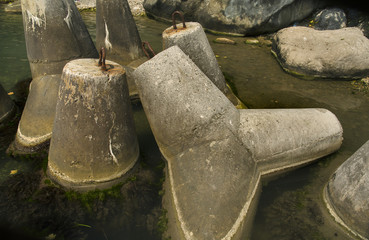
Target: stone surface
(213,165)
(236,16)
(116,31)
(55,34)
(347,193)
(225,41)
(85,4)
(37,119)
(330,19)
(192,40)
(313,53)
(7,106)
(357,18)
(94,143)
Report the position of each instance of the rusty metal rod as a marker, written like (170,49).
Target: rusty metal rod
(174,20)
(150,48)
(102,56)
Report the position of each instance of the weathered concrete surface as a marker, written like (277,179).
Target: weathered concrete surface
(116,31)
(347,193)
(37,119)
(279,138)
(7,106)
(212,174)
(55,34)
(330,19)
(193,41)
(236,16)
(312,53)
(94,143)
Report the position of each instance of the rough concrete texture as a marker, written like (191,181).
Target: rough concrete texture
(116,31)
(347,193)
(94,142)
(55,34)
(308,52)
(37,119)
(279,138)
(192,40)
(212,175)
(7,106)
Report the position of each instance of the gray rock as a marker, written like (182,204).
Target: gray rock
(236,16)
(360,19)
(313,54)
(330,19)
(214,152)
(347,193)
(94,143)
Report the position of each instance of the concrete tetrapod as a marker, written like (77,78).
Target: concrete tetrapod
(35,126)
(347,193)
(192,40)
(55,34)
(94,142)
(7,106)
(213,170)
(116,30)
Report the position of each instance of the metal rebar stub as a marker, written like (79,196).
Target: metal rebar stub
(94,142)
(144,43)
(174,19)
(102,57)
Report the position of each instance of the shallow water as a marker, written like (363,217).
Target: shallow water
(290,206)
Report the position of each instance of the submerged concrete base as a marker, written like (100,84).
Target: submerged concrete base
(214,152)
(35,127)
(94,142)
(7,107)
(347,193)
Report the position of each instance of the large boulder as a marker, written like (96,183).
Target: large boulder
(236,16)
(313,54)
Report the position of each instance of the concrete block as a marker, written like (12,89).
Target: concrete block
(55,34)
(192,41)
(214,152)
(94,142)
(284,138)
(347,193)
(35,126)
(116,30)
